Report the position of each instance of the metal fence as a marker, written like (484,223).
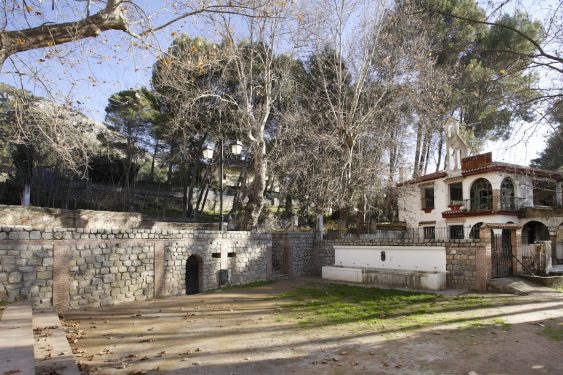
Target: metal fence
(453,232)
(488,203)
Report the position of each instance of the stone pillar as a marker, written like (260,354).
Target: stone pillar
(159,284)
(516,244)
(61,277)
(483,259)
(551,253)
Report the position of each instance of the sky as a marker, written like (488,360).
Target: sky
(85,74)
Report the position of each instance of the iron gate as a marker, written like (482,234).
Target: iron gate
(501,255)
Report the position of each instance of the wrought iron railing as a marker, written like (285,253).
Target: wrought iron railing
(454,232)
(489,203)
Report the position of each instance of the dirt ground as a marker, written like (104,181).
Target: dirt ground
(244,331)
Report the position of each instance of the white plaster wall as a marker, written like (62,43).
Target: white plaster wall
(410,210)
(410,205)
(413,258)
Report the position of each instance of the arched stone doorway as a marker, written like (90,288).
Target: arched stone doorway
(534,231)
(536,247)
(481,195)
(194,274)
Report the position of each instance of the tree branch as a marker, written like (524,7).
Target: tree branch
(109,18)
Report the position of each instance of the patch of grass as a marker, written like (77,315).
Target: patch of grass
(487,323)
(255,284)
(327,304)
(559,288)
(552,333)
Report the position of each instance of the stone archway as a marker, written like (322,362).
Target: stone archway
(534,231)
(194,275)
(537,251)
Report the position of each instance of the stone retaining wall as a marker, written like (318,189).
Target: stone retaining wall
(78,268)
(293,252)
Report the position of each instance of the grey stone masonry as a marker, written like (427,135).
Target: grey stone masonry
(98,267)
(26,269)
(109,273)
(292,253)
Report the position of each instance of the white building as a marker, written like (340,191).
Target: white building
(454,203)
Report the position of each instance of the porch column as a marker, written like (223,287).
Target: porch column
(551,255)
(516,244)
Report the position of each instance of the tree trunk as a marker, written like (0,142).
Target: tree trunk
(253,207)
(237,198)
(201,191)
(184,192)
(153,161)
(422,160)
(193,177)
(427,152)
(416,169)
(440,146)
(204,197)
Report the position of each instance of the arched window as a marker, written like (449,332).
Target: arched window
(481,195)
(507,201)
(475,231)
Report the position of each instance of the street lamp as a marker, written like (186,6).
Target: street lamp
(236,149)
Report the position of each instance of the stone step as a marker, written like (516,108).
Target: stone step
(52,350)
(516,285)
(280,276)
(16,340)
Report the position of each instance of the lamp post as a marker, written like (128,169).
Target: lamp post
(236,149)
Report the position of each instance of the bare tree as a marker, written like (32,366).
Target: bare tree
(40,130)
(347,126)
(230,89)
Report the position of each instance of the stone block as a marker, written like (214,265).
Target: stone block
(14,277)
(44,275)
(47,262)
(35,235)
(47,235)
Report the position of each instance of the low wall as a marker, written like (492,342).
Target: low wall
(466,260)
(292,253)
(78,268)
(411,258)
(43,217)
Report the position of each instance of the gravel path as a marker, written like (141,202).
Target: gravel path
(244,331)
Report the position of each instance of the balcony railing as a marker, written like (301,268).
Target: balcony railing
(456,232)
(493,203)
